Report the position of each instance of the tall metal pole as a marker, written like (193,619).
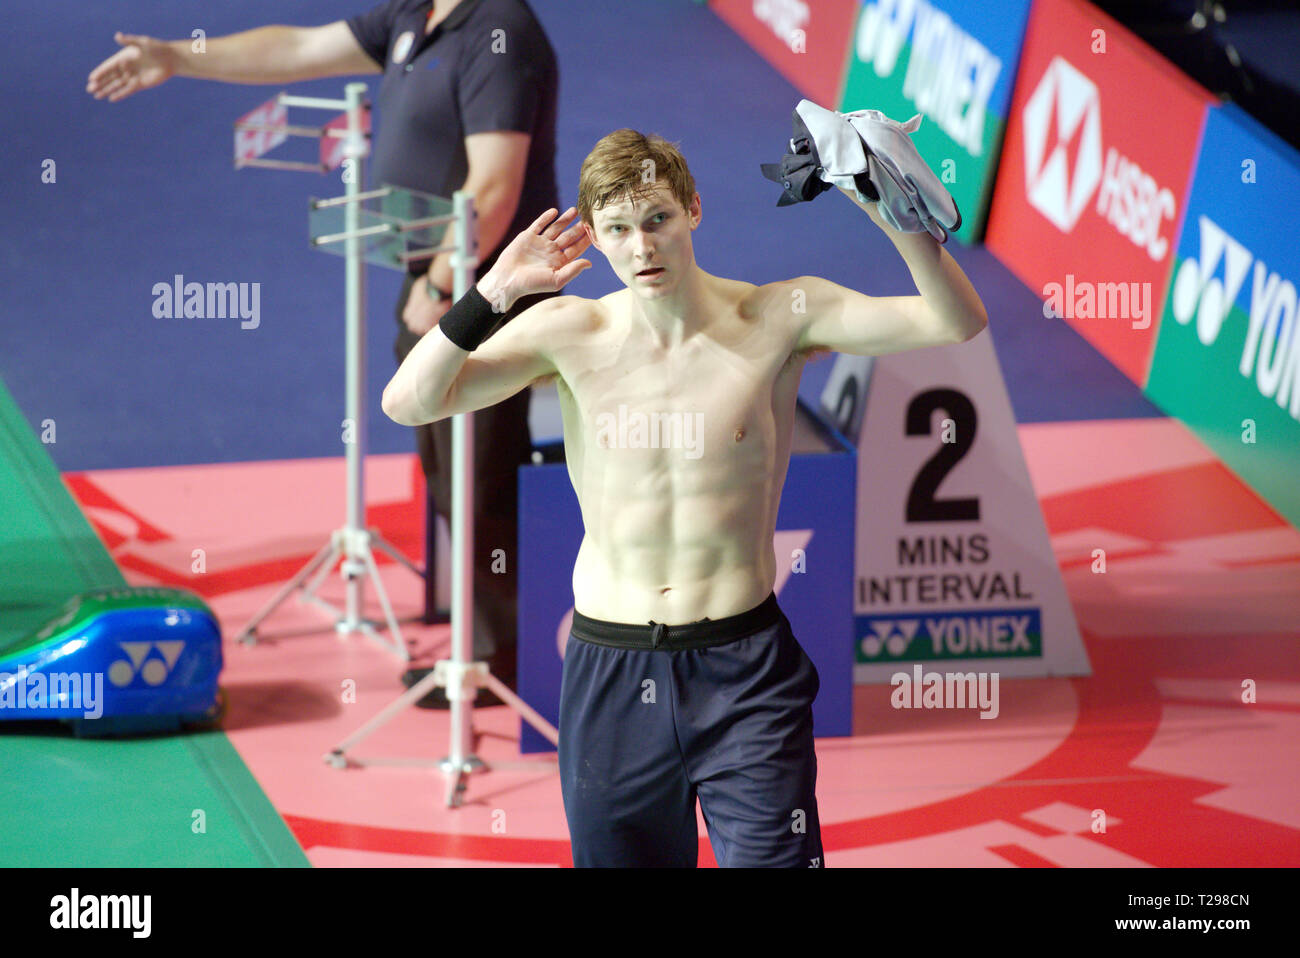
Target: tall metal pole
(458,675)
(462,510)
(354,566)
(353,542)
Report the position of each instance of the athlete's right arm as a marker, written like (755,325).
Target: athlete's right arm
(272,54)
(439,378)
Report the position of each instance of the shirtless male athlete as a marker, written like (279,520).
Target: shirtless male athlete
(682,678)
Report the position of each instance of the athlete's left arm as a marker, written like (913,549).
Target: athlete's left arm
(948,310)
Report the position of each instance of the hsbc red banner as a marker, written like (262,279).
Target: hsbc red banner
(1096,167)
(806,40)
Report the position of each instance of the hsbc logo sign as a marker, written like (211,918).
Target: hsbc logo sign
(1062,144)
(786,18)
(1065,165)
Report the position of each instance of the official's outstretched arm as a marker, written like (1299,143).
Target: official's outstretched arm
(271,54)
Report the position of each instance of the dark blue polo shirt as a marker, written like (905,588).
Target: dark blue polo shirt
(487,67)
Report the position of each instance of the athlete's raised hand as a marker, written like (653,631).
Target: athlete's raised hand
(541,259)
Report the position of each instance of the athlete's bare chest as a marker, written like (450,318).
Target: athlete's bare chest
(704,404)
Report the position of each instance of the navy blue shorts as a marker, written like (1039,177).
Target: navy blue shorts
(653,716)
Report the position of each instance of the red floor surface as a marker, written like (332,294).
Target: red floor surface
(1159,758)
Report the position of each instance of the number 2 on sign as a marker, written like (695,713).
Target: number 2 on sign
(922,506)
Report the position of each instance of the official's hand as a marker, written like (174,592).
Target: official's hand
(541,259)
(422,313)
(141,64)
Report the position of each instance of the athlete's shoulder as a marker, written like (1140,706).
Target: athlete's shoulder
(795,282)
(568,314)
(806,291)
(759,299)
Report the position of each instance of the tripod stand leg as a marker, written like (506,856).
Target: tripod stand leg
(327,554)
(456,772)
(396,633)
(457,784)
(407,698)
(309,591)
(396,556)
(526,711)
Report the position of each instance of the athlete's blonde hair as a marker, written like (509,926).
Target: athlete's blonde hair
(628,163)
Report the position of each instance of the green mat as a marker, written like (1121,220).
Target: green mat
(48,550)
(181,800)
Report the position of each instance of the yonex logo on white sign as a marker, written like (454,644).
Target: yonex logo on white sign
(967,634)
(895,636)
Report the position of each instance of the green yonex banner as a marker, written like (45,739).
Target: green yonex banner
(955,64)
(1227,359)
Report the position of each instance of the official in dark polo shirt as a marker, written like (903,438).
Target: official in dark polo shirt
(468,101)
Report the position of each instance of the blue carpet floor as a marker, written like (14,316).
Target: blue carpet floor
(145,190)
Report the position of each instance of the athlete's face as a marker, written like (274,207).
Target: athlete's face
(647,240)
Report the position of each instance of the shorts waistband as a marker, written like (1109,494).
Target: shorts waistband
(693,635)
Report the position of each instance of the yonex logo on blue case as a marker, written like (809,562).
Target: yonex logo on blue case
(154,671)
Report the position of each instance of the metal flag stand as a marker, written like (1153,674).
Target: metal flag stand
(403,216)
(255,134)
(461,677)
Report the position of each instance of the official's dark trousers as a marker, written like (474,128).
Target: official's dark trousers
(502,443)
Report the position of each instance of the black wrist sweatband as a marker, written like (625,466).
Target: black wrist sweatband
(469,321)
